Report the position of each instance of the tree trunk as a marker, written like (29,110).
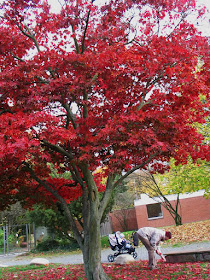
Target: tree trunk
(92,251)
(173,212)
(178,220)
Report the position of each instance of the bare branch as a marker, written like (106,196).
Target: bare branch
(159,195)
(158,20)
(184,15)
(135,168)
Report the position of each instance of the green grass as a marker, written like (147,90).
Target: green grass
(105,242)
(56,252)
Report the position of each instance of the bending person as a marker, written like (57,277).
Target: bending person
(151,237)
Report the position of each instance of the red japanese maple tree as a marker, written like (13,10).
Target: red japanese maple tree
(116,86)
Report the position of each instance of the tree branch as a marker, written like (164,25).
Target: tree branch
(165,202)
(184,15)
(75,40)
(158,20)
(142,104)
(57,149)
(70,116)
(135,168)
(85,109)
(91,200)
(29,35)
(111,186)
(106,195)
(41,80)
(18,58)
(5,111)
(85,31)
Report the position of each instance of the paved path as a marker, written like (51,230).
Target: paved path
(67,258)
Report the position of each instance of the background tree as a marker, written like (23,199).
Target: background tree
(14,214)
(53,219)
(136,184)
(159,194)
(123,200)
(179,179)
(186,178)
(96,86)
(192,176)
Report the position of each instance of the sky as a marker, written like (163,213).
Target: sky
(204,26)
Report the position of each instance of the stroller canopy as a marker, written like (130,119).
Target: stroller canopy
(116,239)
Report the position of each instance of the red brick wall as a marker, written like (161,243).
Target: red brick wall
(123,220)
(196,209)
(142,218)
(192,209)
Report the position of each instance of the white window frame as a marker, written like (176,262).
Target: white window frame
(157,217)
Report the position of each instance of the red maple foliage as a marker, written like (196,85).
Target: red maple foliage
(115,86)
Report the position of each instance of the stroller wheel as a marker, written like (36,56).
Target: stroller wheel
(135,255)
(110,258)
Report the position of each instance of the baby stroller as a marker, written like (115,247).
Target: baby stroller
(118,243)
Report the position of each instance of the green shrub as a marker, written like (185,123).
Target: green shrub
(54,244)
(70,245)
(47,245)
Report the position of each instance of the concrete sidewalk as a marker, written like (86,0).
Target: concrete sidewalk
(76,258)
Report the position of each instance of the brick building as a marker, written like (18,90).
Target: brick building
(149,212)
(123,220)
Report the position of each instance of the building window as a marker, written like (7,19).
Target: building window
(154,211)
